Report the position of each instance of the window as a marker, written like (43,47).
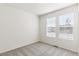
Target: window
(66,24)
(51,27)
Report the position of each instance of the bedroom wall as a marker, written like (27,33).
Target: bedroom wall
(67,44)
(17,28)
(78,31)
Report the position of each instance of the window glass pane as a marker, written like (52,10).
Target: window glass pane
(51,21)
(66,20)
(66,24)
(51,27)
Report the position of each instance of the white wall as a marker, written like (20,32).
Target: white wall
(78,31)
(67,44)
(17,28)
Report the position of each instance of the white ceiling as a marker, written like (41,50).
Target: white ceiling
(39,8)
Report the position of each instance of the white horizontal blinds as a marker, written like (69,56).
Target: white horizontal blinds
(66,24)
(51,27)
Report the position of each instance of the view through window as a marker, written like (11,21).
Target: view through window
(51,27)
(65,24)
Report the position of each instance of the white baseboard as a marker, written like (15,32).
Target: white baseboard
(6,50)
